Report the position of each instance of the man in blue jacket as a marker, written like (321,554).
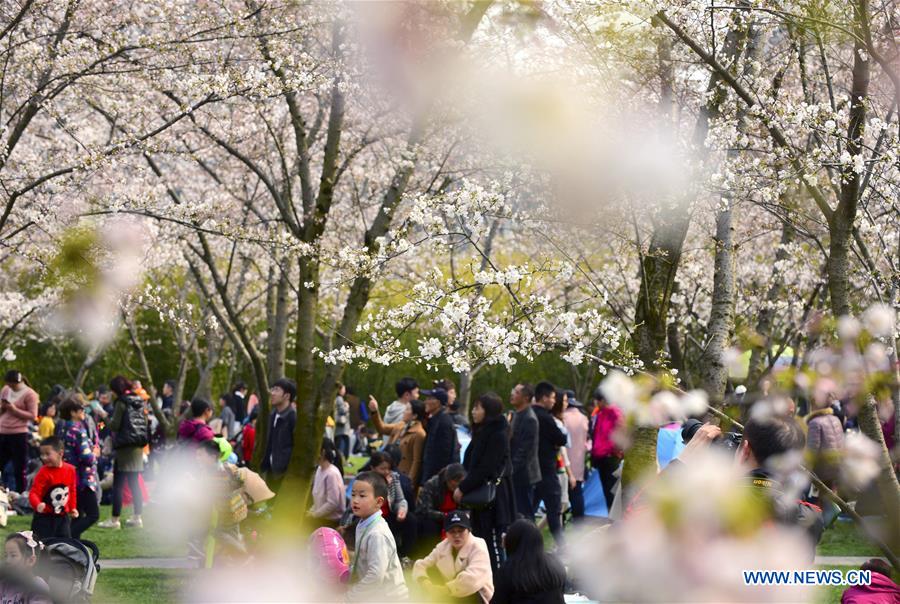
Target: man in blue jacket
(441,445)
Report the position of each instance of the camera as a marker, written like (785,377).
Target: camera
(728,441)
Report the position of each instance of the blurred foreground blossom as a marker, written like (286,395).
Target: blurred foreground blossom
(97,264)
(860,462)
(694,531)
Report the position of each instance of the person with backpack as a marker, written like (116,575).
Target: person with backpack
(196,430)
(130,426)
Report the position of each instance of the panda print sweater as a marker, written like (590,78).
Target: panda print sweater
(56,488)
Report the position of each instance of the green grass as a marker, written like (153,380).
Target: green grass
(353,464)
(124,543)
(139,586)
(845,539)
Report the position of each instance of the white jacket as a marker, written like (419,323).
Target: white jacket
(377,575)
(468,573)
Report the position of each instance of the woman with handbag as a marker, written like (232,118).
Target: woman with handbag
(487,489)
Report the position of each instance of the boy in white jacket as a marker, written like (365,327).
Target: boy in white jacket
(459,568)
(376,574)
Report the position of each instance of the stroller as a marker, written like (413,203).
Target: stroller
(70,568)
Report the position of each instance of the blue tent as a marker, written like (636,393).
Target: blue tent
(668,446)
(464,437)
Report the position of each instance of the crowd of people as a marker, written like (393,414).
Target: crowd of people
(450,501)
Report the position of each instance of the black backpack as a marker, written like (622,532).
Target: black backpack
(135,428)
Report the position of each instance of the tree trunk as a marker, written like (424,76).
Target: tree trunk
(90,360)
(888,486)
(660,264)
(464,394)
(277,325)
(314,404)
(713,372)
(840,223)
(142,358)
(764,321)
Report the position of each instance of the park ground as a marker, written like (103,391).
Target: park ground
(160,585)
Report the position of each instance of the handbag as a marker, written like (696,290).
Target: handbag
(481,498)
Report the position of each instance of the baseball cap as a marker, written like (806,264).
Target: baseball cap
(457,518)
(438,393)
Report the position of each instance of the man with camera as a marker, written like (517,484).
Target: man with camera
(762,442)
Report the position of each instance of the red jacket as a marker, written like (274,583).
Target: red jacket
(606,420)
(55,487)
(249,442)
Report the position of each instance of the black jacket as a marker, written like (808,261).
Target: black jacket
(280,441)
(487,456)
(238,404)
(431,496)
(550,439)
(440,445)
(781,509)
(505,591)
(524,447)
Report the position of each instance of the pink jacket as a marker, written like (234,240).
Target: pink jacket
(606,420)
(468,573)
(24,410)
(577,426)
(195,430)
(881,591)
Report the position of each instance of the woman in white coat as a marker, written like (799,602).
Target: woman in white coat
(459,568)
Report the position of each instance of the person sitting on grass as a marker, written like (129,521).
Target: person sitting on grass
(529,574)
(376,574)
(18,583)
(435,501)
(328,488)
(396,507)
(882,590)
(53,493)
(459,568)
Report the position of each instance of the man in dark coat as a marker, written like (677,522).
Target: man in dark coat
(441,444)
(550,439)
(280,441)
(523,446)
(237,401)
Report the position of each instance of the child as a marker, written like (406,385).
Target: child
(376,574)
(459,568)
(21,586)
(248,440)
(52,496)
(47,425)
(396,507)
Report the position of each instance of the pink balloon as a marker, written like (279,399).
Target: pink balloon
(329,553)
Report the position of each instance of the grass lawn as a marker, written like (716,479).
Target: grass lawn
(139,586)
(353,463)
(124,543)
(845,539)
